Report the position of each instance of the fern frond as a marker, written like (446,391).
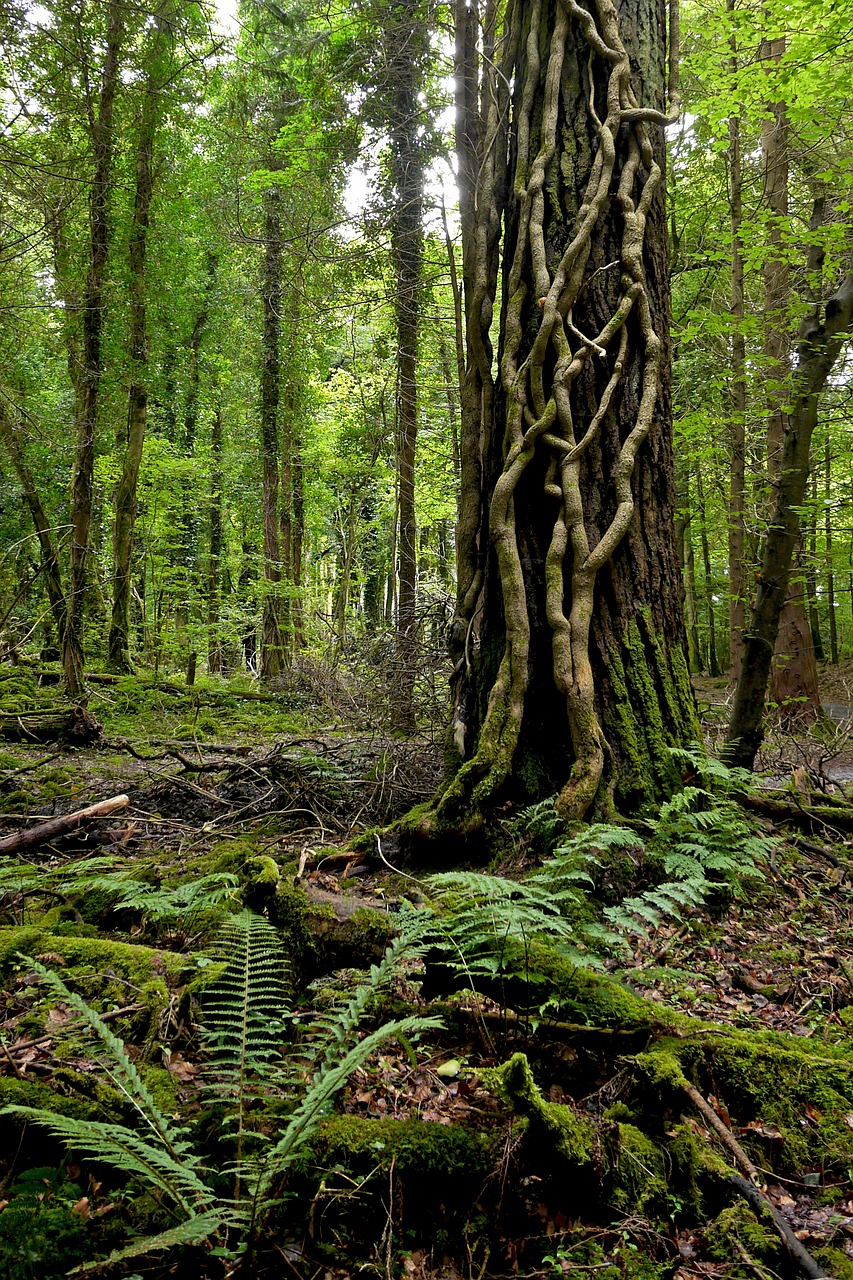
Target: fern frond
(331,1076)
(244,1011)
(129,1153)
(194,1230)
(119,1065)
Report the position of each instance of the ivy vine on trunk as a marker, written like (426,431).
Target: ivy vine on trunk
(569,573)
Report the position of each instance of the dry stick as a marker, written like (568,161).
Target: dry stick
(722,1131)
(110,1016)
(751,1190)
(45,831)
(797,1250)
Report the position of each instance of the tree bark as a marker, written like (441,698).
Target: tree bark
(794,673)
(581,680)
(407,37)
(713,661)
(137,411)
(830,573)
(214,561)
(47,545)
(88,382)
(821,340)
(737,419)
(272,643)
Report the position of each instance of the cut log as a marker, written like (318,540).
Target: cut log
(31,837)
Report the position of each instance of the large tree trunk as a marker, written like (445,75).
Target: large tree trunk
(581,681)
(88,382)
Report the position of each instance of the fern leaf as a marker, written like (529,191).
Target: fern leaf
(128,1152)
(119,1065)
(194,1230)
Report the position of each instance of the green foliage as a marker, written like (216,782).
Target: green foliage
(41,1235)
(702,842)
(245,1034)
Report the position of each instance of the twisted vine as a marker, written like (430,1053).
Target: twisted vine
(539,417)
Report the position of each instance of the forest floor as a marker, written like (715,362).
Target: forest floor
(607,1167)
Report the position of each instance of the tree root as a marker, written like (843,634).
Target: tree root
(806,816)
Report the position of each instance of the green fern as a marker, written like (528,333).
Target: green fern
(244,1033)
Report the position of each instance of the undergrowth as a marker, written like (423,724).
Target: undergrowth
(252,1063)
(701,844)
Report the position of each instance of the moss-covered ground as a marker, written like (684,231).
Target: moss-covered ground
(548,1127)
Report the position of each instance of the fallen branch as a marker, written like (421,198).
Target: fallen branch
(722,1131)
(806,816)
(750,1187)
(31,837)
(759,1202)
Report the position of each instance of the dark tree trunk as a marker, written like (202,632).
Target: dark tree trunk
(737,419)
(830,573)
(47,546)
(214,563)
(408,36)
(88,382)
(271,637)
(137,411)
(580,679)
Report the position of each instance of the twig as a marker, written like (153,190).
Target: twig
(722,1131)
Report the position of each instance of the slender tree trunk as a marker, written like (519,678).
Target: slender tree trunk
(737,484)
(137,412)
(694,651)
(47,545)
(407,169)
(214,563)
(830,573)
(794,673)
(291,442)
(811,577)
(713,662)
(272,644)
(821,340)
(93,311)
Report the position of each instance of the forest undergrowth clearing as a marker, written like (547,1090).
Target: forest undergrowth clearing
(778,959)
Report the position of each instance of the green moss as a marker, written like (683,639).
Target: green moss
(739,1223)
(136,963)
(41,1236)
(16,801)
(44,1097)
(583,996)
(637,1172)
(419,1147)
(571,1135)
(835,1262)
